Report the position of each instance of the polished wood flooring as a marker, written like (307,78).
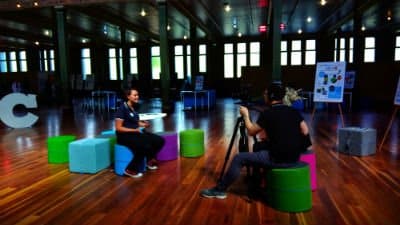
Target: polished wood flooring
(351,190)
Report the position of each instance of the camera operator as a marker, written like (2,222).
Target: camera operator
(287,136)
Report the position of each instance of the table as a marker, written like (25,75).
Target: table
(151,116)
(109,100)
(195,93)
(308,98)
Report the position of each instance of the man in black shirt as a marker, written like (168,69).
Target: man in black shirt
(286,133)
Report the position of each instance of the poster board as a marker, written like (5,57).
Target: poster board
(329,82)
(199,82)
(397,95)
(349,79)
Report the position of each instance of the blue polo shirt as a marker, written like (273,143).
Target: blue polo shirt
(130,117)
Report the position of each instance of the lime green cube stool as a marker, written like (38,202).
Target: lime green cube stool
(57,148)
(289,189)
(191,143)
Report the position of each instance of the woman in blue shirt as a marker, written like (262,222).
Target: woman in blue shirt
(131,132)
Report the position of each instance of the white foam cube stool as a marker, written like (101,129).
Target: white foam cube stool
(89,155)
(357,141)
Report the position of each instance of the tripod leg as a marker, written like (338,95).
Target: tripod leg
(230,147)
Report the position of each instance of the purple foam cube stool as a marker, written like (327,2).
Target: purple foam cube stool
(309,158)
(170,149)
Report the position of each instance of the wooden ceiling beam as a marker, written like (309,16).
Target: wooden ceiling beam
(365,5)
(102,13)
(9,5)
(212,33)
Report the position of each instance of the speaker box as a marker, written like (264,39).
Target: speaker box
(357,141)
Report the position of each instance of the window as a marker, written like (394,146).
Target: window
(23,66)
(155,62)
(241,58)
(396,51)
(133,63)
(86,62)
(369,50)
(202,58)
(254,53)
(344,49)
(13,62)
(228,61)
(351,47)
(295,56)
(188,61)
(3,62)
(284,53)
(179,64)
(112,63)
(310,52)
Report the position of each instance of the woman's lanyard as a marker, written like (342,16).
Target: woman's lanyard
(131,111)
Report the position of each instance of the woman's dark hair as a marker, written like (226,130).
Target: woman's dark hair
(127,91)
(276,92)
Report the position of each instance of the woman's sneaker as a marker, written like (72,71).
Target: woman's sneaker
(132,174)
(152,164)
(213,193)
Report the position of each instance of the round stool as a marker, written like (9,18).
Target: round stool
(289,189)
(122,157)
(191,142)
(170,148)
(57,147)
(309,158)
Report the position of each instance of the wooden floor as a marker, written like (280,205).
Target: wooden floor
(351,190)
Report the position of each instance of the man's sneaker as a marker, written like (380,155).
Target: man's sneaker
(133,174)
(213,193)
(152,165)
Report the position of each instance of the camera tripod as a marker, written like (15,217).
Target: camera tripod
(243,142)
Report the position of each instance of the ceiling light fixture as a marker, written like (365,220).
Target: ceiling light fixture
(239,34)
(363,28)
(282,26)
(35,4)
(323,2)
(309,19)
(143,13)
(19,5)
(227,7)
(389,15)
(299,31)
(168,27)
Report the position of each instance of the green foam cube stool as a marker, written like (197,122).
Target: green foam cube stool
(191,143)
(289,189)
(57,148)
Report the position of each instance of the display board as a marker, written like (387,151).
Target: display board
(329,81)
(349,79)
(199,83)
(397,95)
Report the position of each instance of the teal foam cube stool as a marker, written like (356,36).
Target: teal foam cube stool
(89,155)
(191,143)
(112,138)
(289,189)
(57,148)
(122,157)
(108,132)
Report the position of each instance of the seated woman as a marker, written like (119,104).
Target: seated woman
(131,133)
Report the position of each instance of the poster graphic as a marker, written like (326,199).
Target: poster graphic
(198,86)
(329,81)
(349,79)
(397,95)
